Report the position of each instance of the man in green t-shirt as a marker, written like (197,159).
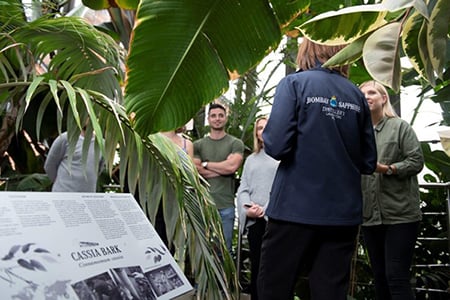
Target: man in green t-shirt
(217,157)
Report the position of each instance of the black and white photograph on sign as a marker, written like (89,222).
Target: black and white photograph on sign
(117,284)
(97,287)
(164,279)
(134,280)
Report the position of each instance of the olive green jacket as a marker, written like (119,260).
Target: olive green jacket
(393,199)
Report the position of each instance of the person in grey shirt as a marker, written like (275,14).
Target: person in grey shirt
(73,175)
(253,196)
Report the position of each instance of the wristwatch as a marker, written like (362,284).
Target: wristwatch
(204,164)
(389,171)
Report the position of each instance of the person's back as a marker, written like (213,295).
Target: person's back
(72,175)
(325,168)
(321,131)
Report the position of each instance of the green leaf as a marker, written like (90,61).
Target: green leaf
(12,16)
(424,54)
(32,89)
(345,25)
(92,60)
(381,55)
(396,5)
(445,106)
(71,95)
(437,161)
(410,42)
(96,4)
(442,95)
(182,53)
(349,54)
(287,11)
(40,114)
(6,66)
(127,4)
(92,117)
(54,90)
(437,33)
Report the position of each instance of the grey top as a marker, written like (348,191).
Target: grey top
(256,183)
(72,176)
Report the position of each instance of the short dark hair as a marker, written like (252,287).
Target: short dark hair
(216,105)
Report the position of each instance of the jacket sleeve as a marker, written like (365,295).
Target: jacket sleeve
(368,143)
(243,197)
(410,149)
(280,132)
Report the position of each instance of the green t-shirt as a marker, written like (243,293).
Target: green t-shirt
(222,188)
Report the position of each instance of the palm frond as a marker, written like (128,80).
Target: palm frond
(198,213)
(71,49)
(164,175)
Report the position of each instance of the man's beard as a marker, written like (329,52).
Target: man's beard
(220,128)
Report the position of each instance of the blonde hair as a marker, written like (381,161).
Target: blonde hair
(257,143)
(310,54)
(388,110)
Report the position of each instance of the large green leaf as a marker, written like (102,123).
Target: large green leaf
(349,54)
(345,25)
(92,61)
(287,11)
(424,54)
(437,33)
(182,52)
(426,47)
(381,55)
(410,42)
(437,161)
(443,95)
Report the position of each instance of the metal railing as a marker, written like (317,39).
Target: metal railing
(444,186)
(432,268)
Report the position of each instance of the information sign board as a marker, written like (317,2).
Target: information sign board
(83,246)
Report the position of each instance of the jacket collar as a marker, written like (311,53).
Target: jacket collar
(380,124)
(319,67)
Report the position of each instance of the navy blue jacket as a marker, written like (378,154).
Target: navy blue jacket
(321,131)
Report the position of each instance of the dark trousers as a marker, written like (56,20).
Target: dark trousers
(391,249)
(323,252)
(255,237)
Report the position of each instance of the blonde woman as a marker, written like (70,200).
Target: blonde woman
(391,197)
(253,196)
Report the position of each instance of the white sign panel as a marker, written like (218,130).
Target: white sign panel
(82,246)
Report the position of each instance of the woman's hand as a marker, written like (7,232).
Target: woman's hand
(255,211)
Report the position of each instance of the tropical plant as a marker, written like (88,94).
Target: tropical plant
(63,68)
(382,33)
(181,55)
